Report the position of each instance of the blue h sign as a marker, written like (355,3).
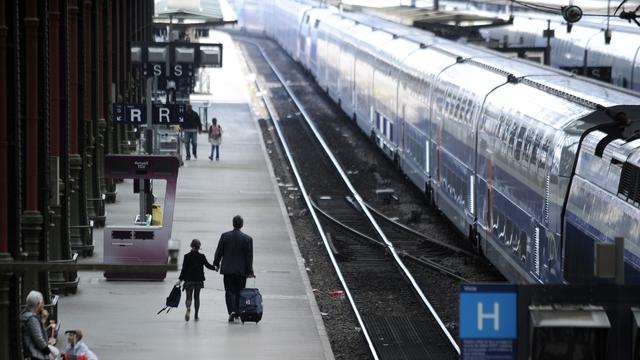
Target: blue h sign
(488,321)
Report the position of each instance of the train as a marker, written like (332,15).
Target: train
(538,168)
(582,48)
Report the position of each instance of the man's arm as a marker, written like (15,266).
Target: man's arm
(249,255)
(219,251)
(199,122)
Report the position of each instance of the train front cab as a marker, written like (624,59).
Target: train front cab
(604,203)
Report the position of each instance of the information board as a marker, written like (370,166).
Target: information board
(488,322)
(167,114)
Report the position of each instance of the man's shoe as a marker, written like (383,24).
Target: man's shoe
(188,158)
(195,156)
(196,318)
(211,158)
(187,315)
(232,316)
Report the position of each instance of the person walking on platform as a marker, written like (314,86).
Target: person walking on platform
(192,274)
(191,127)
(34,337)
(215,138)
(235,251)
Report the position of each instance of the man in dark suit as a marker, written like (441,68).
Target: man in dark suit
(191,126)
(235,250)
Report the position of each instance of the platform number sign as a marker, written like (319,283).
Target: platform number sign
(488,328)
(136,114)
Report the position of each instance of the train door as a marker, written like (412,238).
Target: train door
(354,87)
(303,39)
(635,71)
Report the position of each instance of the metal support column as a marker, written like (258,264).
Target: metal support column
(5,321)
(97,113)
(79,224)
(110,185)
(32,219)
(5,311)
(88,139)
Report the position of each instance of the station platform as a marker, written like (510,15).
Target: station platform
(119,319)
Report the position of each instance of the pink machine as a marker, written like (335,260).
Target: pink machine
(141,243)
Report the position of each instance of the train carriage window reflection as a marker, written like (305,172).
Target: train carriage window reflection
(469,116)
(505,130)
(544,152)
(536,146)
(519,143)
(517,236)
(528,144)
(502,226)
(522,246)
(508,231)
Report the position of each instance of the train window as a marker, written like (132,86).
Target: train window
(505,129)
(317,23)
(513,132)
(517,237)
(306,21)
(535,147)
(390,132)
(503,227)
(519,143)
(378,121)
(384,126)
(522,247)
(469,115)
(528,144)
(508,231)
(544,152)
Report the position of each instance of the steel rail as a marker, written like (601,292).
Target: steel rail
(307,199)
(422,261)
(420,235)
(361,202)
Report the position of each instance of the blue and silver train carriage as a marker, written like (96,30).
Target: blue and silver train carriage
(534,164)
(582,49)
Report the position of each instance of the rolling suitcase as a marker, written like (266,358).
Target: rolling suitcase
(173,300)
(250,305)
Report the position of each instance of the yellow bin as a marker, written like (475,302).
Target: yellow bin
(156,214)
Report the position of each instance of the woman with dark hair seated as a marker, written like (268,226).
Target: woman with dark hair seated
(192,274)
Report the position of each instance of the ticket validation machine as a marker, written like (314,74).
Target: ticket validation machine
(141,242)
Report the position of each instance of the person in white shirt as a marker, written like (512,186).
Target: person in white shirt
(76,347)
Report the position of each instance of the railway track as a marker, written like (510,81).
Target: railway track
(409,244)
(396,317)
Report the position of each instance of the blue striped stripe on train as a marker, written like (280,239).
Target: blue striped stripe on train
(534,164)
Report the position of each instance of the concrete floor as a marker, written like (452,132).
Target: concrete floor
(119,318)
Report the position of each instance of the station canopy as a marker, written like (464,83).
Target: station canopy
(194,11)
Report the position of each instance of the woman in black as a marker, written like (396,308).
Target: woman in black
(193,276)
